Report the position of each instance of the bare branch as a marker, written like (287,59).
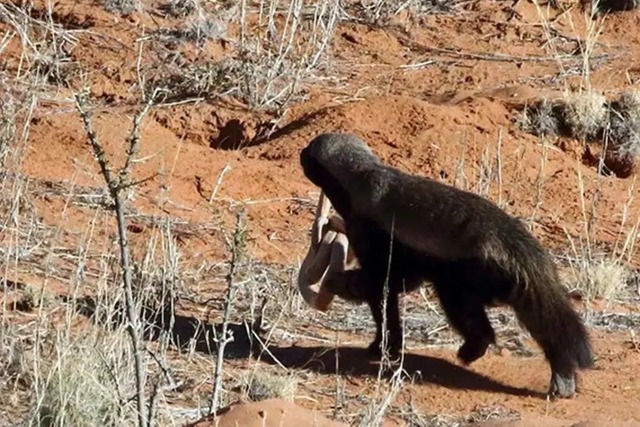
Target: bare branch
(98,151)
(116,185)
(134,137)
(236,253)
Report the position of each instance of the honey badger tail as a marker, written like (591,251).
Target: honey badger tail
(544,308)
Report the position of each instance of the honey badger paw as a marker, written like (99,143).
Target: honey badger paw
(562,386)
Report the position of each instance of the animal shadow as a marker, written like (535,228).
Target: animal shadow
(352,361)
(184,332)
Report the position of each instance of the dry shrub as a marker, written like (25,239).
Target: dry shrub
(14,360)
(205,28)
(578,114)
(598,277)
(274,57)
(33,297)
(7,129)
(257,386)
(624,134)
(541,119)
(195,81)
(179,8)
(82,381)
(590,117)
(585,113)
(381,11)
(123,7)
(284,52)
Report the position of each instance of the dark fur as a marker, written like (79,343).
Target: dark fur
(474,253)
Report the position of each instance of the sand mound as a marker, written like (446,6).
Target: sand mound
(267,413)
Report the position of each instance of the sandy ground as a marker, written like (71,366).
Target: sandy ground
(449,119)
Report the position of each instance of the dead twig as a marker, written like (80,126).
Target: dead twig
(500,57)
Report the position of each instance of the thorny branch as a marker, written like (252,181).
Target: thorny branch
(237,249)
(134,137)
(116,185)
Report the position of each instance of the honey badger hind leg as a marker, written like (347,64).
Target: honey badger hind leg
(466,314)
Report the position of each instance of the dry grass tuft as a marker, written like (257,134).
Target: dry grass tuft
(598,277)
(123,7)
(14,358)
(207,28)
(494,412)
(257,386)
(585,113)
(382,11)
(200,29)
(81,382)
(33,297)
(199,81)
(541,119)
(179,8)
(7,130)
(590,117)
(624,133)
(579,114)
(274,58)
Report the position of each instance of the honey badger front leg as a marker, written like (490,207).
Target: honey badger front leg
(328,252)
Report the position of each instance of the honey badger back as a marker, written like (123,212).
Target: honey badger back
(406,230)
